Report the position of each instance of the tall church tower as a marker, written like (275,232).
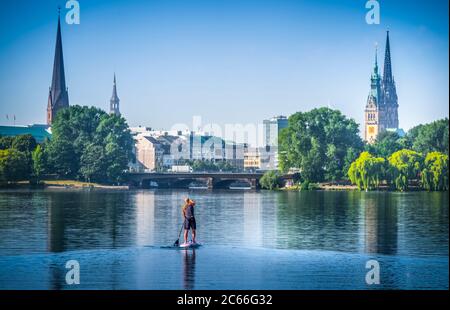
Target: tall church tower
(114,102)
(372,111)
(58,97)
(390,99)
(381,112)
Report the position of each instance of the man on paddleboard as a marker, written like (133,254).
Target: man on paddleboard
(189,219)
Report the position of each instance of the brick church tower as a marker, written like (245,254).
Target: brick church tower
(381,112)
(58,97)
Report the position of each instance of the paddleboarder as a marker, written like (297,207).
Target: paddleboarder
(189,219)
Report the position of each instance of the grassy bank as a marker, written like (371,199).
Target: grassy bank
(322,186)
(79,184)
(61,184)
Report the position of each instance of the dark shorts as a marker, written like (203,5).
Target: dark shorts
(190,223)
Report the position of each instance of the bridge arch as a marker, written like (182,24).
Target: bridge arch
(185,182)
(226,183)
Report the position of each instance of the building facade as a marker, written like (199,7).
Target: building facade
(160,150)
(154,153)
(252,159)
(272,128)
(271,132)
(381,112)
(58,97)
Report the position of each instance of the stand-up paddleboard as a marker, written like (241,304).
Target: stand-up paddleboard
(190,244)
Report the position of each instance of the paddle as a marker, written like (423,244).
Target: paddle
(177,243)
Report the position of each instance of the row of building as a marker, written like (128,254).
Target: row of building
(157,150)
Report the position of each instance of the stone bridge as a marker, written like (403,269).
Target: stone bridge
(209,179)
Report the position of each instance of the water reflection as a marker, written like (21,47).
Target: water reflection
(145,218)
(375,222)
(312,220)
(349,221)
(55,226)
(188,268)
(380,222)
(253,226)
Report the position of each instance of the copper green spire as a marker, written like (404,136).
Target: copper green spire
(375,84)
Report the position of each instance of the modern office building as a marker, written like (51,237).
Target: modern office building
(271,132)
(272,128)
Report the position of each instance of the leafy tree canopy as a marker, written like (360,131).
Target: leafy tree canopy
(270,180)
(13,165)
(432,137)
(405,165)
(88,143)
(322,143)
(435,172)
(367,171)
(387,142)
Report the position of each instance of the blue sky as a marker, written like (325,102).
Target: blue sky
(233,61)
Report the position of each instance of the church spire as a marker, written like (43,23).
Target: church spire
(58,97)
(390,98)
(375,85)
(114,102)
(387,74)
(375,70)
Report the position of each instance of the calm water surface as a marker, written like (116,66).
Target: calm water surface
(251,239)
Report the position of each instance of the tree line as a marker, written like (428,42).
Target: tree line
(420,157)
(400,169)
(325,146)
(198,165)
(87,144)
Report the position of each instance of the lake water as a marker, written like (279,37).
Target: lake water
(251,239)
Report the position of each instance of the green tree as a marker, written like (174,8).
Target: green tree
(116,160)
(270,180)
(405,166)
(113,133)
(432,137)
(210,165)
(82,133)
(367,171)
(38,162)
(92,165)
(61,158)
(351,155)
(318,143)
(6,142)
(13,166)
(387,142)
(435,172)
(24,143)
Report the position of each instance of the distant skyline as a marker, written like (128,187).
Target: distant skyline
(227,61)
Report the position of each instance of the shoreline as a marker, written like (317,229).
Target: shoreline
(63,184)
(79,185)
